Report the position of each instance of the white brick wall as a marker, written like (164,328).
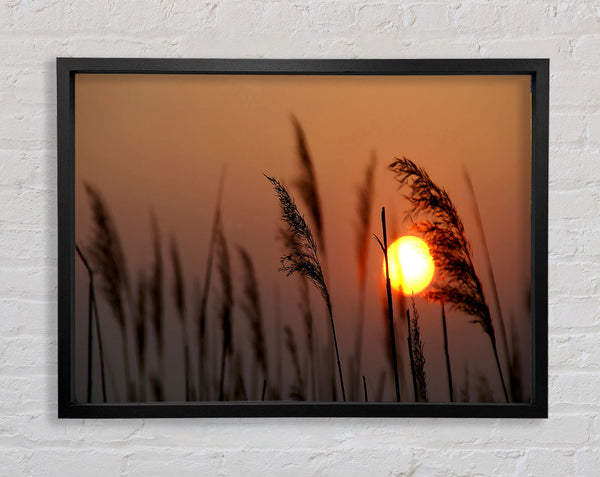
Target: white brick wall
(33,33)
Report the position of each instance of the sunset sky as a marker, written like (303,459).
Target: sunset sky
(160,142)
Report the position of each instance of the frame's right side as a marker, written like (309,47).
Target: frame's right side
(539,236)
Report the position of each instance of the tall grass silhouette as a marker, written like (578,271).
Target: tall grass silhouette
(444,232)
(303,259)
(157,307)
(226,308)
(252,309)
(180,304)
(203,382)
(365,192)
(140,331)
(106,254)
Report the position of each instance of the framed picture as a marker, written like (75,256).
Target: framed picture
(331,238)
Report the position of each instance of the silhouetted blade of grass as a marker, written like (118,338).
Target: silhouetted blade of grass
(390,306)
(156,297)
(140,332)
(224,269)
(92,308)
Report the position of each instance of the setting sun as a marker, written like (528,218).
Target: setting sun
(411,264)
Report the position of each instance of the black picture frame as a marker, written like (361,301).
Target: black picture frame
(538,69)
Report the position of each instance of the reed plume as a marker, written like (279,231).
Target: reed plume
(252,309)
(155,291)
(418,355)
(297,389)
(206,289)
(365,192)
(179,299)
(303,258)
(108,260)
(444,232)
(224,269)
(140,331)
(307,185)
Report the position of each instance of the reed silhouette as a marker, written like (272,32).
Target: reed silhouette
(140,332)
(106,254)
(418,355)
(157,307)
(252,309)
(390,306)
(226,311)
(443,230)
(203,382)
(303,259)
(365,192)
(180,303)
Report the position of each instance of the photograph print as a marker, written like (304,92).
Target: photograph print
(302,238)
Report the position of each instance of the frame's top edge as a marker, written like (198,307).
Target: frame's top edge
(365,66)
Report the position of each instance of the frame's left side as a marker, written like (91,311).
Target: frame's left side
(66,209)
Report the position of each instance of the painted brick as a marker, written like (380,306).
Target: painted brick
(34,33)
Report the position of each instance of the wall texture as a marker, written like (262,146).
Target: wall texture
(33,33)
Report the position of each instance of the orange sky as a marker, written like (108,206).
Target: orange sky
(160,142)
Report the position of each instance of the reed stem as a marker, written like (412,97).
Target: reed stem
(388,289)
(100,347)
(337,353)
(493,340)
(448,370)
(490,270)
(91,306)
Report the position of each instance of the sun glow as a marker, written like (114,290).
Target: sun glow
(411,264)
